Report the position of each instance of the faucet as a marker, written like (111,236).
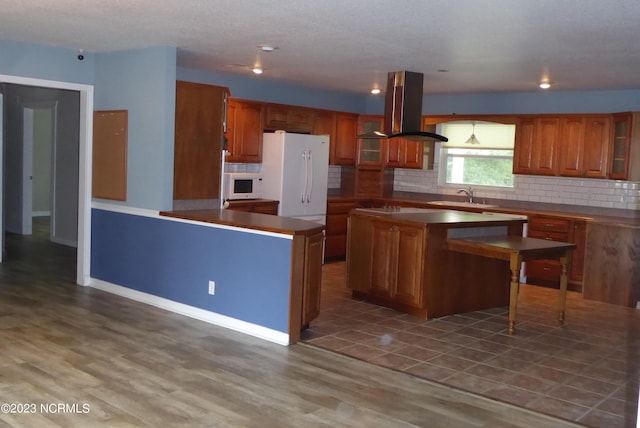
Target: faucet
(469,192)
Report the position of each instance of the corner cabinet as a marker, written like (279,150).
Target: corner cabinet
(244,131)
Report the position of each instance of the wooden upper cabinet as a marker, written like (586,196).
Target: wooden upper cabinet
(324,123)
(370,150)
(584,147)
(344,150)
(536,146)
(198,140)
(244,131)
(288,118)
(624,151)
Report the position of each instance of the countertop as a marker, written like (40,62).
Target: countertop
(625,218)
(445,217)
(249,220)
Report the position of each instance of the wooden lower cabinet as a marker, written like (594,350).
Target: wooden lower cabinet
(386,261)
(398,254)
(263,206)
(312,278)
(612,264)
(306,281)
(547,272)
(336,228)
(406,266)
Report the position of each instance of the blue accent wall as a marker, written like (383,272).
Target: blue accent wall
(143,82)
(176,261)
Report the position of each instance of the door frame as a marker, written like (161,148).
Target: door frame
(83,263)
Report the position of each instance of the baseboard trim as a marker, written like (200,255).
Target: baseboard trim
(192,312)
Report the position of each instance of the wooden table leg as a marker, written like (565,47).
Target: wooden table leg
(514,265)
(562,302)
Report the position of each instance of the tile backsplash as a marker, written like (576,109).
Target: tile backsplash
(557,190)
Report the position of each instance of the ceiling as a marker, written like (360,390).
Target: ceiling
(351,45)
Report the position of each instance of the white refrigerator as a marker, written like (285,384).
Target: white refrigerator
(295,170)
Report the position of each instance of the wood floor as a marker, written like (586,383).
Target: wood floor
(86,358)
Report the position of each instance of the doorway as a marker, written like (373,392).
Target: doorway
(39,143)
(82,180)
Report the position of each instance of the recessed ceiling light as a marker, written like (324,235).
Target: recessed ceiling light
(267,48)
(544,85)
(375,91)
(257,70)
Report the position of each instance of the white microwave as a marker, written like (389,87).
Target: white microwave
(242,185)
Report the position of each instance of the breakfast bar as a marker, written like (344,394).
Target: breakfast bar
(515,250)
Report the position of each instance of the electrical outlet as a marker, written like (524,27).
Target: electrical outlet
(212,287)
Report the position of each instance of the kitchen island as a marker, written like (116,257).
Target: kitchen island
(399,258)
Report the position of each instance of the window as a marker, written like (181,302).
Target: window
(477,153)
(485,167)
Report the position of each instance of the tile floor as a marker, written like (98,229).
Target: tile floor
(585,371)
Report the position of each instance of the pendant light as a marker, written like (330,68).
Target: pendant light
(473,139)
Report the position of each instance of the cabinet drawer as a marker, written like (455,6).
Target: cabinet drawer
(548,224)
(341,207)
(549,236)
(548,270)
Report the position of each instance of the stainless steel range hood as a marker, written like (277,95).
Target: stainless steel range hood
(403,109)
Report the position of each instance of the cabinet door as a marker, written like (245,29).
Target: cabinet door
(370,150)
(359,252)
(198,140)
(324,123)
(384,258)
(413,154)
(276,117)
(344,147)
(523,161)
(572,146)
(597,135)
(584,150)
(546,145)
(395,149)
(579,237)
(312,278)
(409,265)
(619,150)
(245,139)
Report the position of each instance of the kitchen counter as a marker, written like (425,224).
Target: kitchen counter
(250,220)
(629,218)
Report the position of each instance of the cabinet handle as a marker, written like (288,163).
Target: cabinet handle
(547,269)
(548,224)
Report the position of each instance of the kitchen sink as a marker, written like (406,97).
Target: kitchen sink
(462,204)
